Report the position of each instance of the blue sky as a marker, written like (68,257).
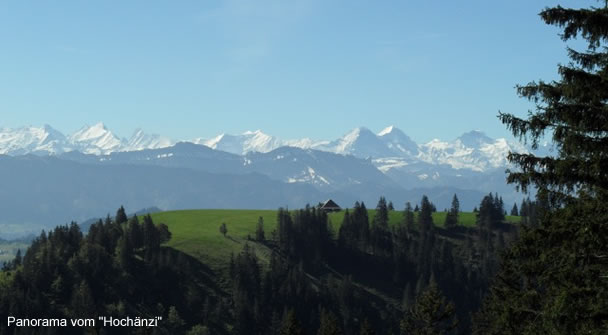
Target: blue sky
(298,68)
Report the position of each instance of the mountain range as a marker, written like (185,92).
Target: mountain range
(389,149)
(56,178)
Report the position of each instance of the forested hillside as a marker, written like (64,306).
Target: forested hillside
(298,271)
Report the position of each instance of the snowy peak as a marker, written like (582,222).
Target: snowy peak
(25,140)
(96,139)
(90,132)
(389,149)
(249,141)
(398,141)
(475,139)
(472,151)
(360,142)
(258,141)
(354,140)
(140,141)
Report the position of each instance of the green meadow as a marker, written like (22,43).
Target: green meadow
(196,232)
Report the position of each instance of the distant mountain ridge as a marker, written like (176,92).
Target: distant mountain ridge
(56,178)
(96,139)
(389,149)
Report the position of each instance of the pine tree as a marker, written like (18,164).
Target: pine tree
(124,253)
(553,279)
(408,217)
(514,211)
(380,235)
(381,217)
(82,304)
(451,218)
(291,325)
(135,233)
(425,218)
(259,232)
(121,215)
(430,315)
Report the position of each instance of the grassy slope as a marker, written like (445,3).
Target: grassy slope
(196,232)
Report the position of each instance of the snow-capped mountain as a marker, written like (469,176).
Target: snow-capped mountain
(241,144)
(360,142)
(96,139)
(141,141)
(389,149)
(398,141)
(473,151)
(25,140)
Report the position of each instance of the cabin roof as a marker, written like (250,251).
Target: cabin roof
(329,204)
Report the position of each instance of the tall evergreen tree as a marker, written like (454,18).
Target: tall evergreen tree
(381,217)
(121,215)
(451,218)
(259,231)
(408,217)
(430,315)
(360,219)
(380,235)
(514,211)
(553,280)
(425,218)
(291,325)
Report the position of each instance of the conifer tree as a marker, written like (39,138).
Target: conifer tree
(430,315)
(381,218)
(451,218)
(425,218)
(514,211)
(259,232)
(553,280)
(121,215)
(291,325)
(380,236)
(82,304)
(408,217)
(135,233)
